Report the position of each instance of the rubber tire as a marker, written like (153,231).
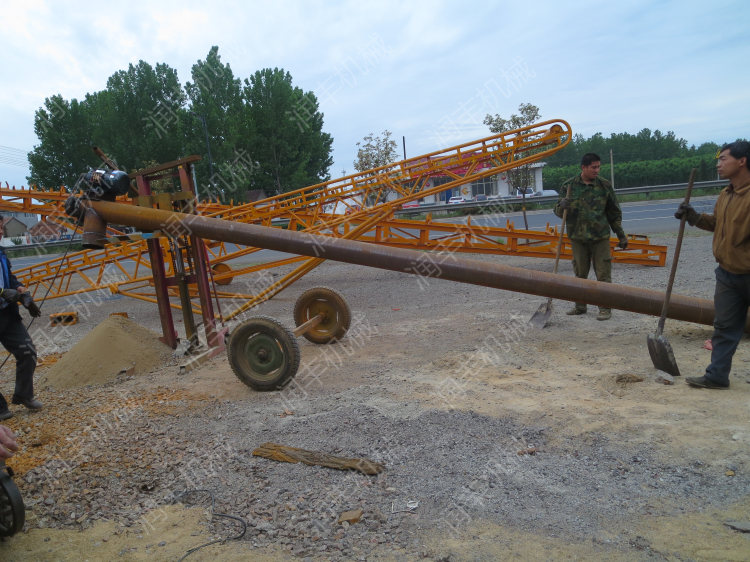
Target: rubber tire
(12,508)
(222,268)
(338,315)
(272,336)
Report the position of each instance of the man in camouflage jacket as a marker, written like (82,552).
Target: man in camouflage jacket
(592,210)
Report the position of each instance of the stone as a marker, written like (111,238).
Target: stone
(664,378)
(351,517)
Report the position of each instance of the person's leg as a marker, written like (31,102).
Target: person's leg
(581,267)
(3,323)
(602,258)
(731,301)
(17,341)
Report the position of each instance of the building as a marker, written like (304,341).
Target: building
(496,186)
(13,228)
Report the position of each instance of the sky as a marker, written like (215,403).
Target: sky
(427,71)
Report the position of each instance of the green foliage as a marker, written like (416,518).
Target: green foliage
(375,152)
(288,139)
(64,129)
(627,147)
(646,158)
(646,172)
(215,97)
(267,135)
(528,114)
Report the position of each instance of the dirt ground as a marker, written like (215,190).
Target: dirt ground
(561,443)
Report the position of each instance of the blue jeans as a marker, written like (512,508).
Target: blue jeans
(731,301)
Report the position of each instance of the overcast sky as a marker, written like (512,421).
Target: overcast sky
(428,71)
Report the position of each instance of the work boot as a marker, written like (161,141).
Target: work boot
(30,403)
(576,310)
(703,382)
(604,314)
(5,414)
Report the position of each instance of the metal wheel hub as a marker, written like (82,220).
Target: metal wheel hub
(263,353)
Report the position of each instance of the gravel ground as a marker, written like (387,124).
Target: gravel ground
(499,441)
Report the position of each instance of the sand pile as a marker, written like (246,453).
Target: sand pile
(115,345)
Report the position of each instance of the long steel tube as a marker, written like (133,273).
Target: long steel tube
(611,295)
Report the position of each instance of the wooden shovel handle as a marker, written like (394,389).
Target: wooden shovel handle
(678,246)
(562,231)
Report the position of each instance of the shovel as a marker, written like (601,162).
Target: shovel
(658,346)
(543,313)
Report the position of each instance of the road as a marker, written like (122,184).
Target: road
(641,217)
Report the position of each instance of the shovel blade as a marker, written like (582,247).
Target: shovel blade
(662,355)
(542,315)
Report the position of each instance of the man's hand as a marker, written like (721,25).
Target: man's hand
(10,295)
(686,210)
(8,444)
(623,241)
(31,306)
(564,204)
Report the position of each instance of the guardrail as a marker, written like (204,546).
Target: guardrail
(552,198)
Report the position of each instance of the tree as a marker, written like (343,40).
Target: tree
(215,97)
(65,145)
(375,152)
(519,178)
(528,114)
(135,120)
(138,118)
(287,143)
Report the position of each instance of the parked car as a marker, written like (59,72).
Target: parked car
(410,205)
(481,197)
(528,191)
(454,200)
(546,193)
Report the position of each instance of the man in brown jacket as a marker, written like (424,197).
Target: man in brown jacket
(730,223)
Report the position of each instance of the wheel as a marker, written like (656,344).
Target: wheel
(12,509)
(263,354)
(337,317)
(222,268)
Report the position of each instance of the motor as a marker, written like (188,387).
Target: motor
(105,184)
(98,185)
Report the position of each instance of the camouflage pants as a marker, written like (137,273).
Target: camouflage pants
(598,252)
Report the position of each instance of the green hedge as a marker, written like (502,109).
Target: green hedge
(642,173)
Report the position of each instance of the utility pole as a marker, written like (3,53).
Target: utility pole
(611,169)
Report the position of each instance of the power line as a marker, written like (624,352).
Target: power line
(12,156)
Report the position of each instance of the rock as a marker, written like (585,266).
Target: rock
(351,517)
(664,378)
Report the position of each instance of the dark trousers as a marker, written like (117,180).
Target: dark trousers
(586,253)
(16,340)
(731,300)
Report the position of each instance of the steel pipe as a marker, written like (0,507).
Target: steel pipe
(498,276)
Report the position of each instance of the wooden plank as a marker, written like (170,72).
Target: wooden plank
(283,453)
